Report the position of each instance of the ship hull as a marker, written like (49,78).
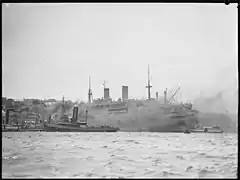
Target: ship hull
(163,129)
(61,128)
(166,130)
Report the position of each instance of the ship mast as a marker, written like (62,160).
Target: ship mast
(149,86)
(63,102)
(104,84)
(89,90)
(104,87)
(62,110)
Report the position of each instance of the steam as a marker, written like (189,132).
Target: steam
(224,97)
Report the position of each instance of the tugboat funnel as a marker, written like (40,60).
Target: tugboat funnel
(75,115)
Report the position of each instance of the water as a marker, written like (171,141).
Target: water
(119,154)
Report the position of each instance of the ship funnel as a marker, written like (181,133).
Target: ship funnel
(106,93)
(124,93)
(75,115)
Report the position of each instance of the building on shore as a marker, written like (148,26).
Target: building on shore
(7,102)
(50,102)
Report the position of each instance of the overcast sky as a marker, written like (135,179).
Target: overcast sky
(49,50)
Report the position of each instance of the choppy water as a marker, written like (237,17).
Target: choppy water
(119,154)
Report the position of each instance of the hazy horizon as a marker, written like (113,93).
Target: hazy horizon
(50,50)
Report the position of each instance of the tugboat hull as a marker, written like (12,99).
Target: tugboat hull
(61,128)
(204,131)
(31,130)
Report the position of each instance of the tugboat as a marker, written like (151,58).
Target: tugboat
(74,126)
(206,129)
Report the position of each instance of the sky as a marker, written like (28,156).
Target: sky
(50,50)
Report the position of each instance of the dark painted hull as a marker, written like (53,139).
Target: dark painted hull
(168,128)
(31,130)
(63,128)
(167,131)
(163,130)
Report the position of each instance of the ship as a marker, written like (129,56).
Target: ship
(67,124)
(150,115)
(205,129)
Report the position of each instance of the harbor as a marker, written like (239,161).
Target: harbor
(119,90)
(175,116)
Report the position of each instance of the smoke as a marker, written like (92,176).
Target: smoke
(214,104)
(223,97)
(219,105)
